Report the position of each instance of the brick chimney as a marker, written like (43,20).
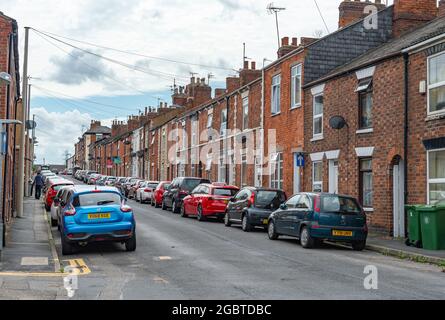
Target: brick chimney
(353,11)
(410,14)
(95,125)
(219,92)
(286,47)
(441,11)
(198,92)
(117,128)
(232,83)
(179,98)
(248,75)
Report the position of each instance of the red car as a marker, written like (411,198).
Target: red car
(53,188)
(208,200)
(156,200)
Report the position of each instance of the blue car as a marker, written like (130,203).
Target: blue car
(96,214)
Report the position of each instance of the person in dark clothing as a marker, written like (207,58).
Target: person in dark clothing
(38,184)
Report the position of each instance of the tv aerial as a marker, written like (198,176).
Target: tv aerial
(272,9)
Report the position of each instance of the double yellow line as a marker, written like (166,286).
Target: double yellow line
(79,265)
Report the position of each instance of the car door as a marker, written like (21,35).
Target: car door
(303,209)
(170,192)
(235,206)
(242,204)
(193,200)
(285,216)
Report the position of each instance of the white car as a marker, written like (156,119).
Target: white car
(145,192)
(55,207)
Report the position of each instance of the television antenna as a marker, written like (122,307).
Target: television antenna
(272,9)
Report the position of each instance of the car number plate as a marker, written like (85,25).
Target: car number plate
(266,221)
(98,216)
(338,233)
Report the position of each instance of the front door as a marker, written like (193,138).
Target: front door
(399,199)
(333,176)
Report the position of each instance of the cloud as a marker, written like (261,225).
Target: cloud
(57,132)
(79,67)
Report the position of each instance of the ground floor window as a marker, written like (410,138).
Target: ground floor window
(244,169)
(276,179)
(436,176)
(366,183)
(317,176)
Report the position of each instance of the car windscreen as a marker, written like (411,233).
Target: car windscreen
(152,185)
(97,199)
(60,186)
(190,184)
(225,192)
(269,199)
(339,204)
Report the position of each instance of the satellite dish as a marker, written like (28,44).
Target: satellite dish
(337,122)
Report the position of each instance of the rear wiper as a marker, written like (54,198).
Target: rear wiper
(104,202)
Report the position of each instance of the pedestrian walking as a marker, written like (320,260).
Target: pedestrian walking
(38,185)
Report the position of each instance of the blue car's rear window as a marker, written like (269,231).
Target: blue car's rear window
(97,199)
(339,204)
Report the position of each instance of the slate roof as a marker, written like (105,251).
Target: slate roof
(99,130)
(390,49)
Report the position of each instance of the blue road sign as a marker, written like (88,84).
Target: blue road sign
(299,160)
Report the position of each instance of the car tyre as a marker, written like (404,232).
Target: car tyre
(201,216)
(164,207)
(306,240)
(130,244)
(174,207)
(245,224)
(227,222)
(183,213)
(271,232)
(67,248)
(359,245)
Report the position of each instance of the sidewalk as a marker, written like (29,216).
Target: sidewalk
(396,247)
(28,264)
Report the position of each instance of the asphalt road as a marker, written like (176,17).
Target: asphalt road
(181,258)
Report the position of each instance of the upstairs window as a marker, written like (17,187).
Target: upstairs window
(245,113)
(276,92)
(296,87)
(365,103)
(223,128)
(436,84)
(318,116)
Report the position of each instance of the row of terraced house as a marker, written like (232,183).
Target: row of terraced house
(360,111)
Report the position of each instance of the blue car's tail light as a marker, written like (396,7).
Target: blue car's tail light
(70,212)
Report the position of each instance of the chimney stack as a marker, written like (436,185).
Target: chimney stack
(353,11)
(410,14)
(441,11)
(286,48)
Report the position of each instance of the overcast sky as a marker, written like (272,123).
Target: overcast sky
(198,32)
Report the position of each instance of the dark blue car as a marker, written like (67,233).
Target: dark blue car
(314,217)
(96,214)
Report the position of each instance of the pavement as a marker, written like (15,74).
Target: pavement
(180,258)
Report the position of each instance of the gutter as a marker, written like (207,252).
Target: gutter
(422,44)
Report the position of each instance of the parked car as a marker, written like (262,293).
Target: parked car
(69,172)
(119,183)
(314,217)
(101,181)
(156,199)
(179,189)
(87,175)
(252,206)
(96,215)
(93,178)
(127,185)
(133,189)
(55,207)
(53,188)
(208,200)
(110,181)
(145,191)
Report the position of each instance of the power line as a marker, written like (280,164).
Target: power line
(137,54)
(321,15)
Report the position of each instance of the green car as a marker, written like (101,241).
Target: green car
(314,217)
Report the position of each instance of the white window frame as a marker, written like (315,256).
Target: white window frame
(313,175)
(433,86)
(246,114)
(276,164)
(296,72)
(221,166)
(209,121)
(430,181)
(243,162)
(315,117)
(223,127)
(194,132)
(276,100)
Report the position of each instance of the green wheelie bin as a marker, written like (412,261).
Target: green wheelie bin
(432,223)
(414,230)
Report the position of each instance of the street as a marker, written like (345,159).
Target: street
(181,258)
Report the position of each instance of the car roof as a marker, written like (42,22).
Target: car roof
(213,186)
(78,189)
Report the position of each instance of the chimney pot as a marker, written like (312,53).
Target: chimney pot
(441,11)
(295,42)
(253,65)
(285,41)
(246,64)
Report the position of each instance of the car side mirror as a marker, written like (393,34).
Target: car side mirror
(283,206)
(232,199)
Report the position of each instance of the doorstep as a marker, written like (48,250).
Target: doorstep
(398,248)
(29,245)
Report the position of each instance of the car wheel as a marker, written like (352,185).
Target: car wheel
(67,248)
(273,235)
(359,245)
(306,240)
(174,207)
(130,244)
(54,222)
(245,225)
(164,207)
(227,222)
(201,216)
(183,213)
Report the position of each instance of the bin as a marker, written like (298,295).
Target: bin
(432,222)
(414,230)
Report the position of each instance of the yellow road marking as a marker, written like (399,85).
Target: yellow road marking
(166,258)
(79,266)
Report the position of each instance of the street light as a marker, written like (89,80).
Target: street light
(5,78)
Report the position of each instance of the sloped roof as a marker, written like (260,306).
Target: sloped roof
(99,130)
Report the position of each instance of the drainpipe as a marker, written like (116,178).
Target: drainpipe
(405,138)
(225,141)
(263,93)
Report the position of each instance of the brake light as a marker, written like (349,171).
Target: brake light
(125,208)
(70,212)
(251,200)
(147,190)
(183,192)
(317,204)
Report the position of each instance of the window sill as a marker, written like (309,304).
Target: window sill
(314,139)
(275,114)
(368,209)
(365,131)
(435,116)
(296,107)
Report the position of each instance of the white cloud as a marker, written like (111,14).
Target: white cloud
(57,132)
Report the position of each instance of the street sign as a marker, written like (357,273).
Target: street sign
(299,160)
